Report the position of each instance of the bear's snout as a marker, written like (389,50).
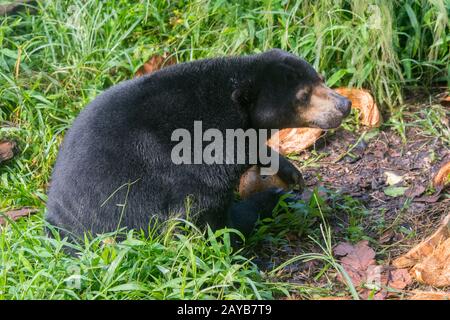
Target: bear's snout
(343,105)
(326,108)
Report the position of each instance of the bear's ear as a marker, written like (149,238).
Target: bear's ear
(284,72)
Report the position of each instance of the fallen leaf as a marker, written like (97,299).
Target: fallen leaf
(294,140)
(395,191)
(356,260)
(6,150)
(399,279)
(155,63)
(370,279)
(392,178)
(377,279)
(16,214)
(430,295)
(414,191)
(343,249)
(442,178)
(431,198)
(252,182)
(364,102)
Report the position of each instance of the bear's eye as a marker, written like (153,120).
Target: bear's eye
(303,95)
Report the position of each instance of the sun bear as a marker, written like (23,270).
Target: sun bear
(115,167)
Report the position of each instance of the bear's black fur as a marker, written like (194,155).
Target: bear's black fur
(114,167)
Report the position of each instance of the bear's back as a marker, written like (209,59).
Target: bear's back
(117,153)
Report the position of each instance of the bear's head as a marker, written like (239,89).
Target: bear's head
(289,93)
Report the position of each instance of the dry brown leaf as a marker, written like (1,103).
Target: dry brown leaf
(430,198)
(442,178)
(16,214)
(294,140)
(6,150)
(415,191)
(359,263)
(343,249)
(430,295)
(399,279)
(363,101)
(426,247)
(356,260)
(155,63)
(252,182)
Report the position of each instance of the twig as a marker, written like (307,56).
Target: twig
(340,157)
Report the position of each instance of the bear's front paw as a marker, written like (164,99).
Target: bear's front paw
(291,175)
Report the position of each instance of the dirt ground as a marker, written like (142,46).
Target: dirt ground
(364,177)
(364,174)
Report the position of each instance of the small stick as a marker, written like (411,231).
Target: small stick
(339,158)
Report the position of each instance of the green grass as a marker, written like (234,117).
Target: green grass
(175,260)
(434,121)
(56,60)
(183,263)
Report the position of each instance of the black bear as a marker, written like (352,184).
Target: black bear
(115,166)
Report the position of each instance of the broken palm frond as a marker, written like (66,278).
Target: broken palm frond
(429,295)
(294,140)
(362,100)
(442,177)
(430,260)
